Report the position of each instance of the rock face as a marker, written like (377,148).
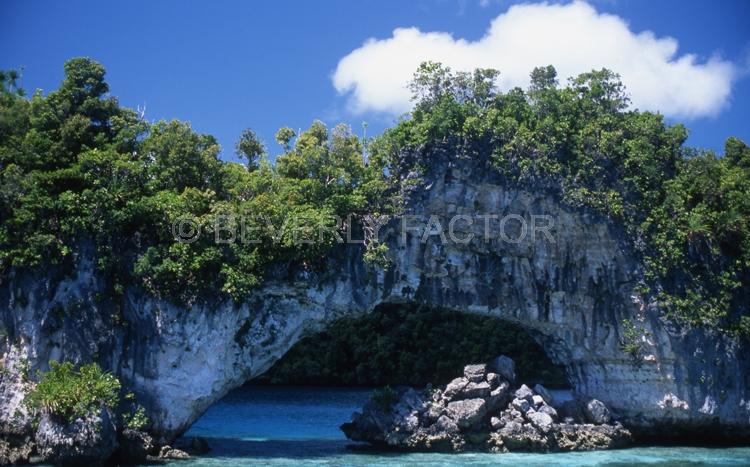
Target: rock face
(89,440)
(445,422)
(571,285)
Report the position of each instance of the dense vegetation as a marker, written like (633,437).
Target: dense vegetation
(71,393)
(76,169)
(403,345)
(686,212)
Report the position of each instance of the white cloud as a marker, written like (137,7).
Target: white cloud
(574,38)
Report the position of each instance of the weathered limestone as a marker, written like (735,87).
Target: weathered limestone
(571,286)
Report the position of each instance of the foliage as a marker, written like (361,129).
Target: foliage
(133,414)
(631,341)
(407,345)
(686,212)
(70,393)
(251,148)
(76,170)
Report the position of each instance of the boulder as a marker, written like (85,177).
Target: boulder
(522,437)
(446,424)
(540,420)
(499,396)
(476,390)
(496,423)
(88,440)
(521,405)
(549,410)
(454,388)
(544,392)
(524,392)
(596,412)
(475,373)
(537,400)
(467,412)
(434,412)
(493,379)
(170,453)
(505,367)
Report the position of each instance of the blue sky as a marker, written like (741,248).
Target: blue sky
(225,66)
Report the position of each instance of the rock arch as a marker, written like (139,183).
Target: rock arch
(572,294)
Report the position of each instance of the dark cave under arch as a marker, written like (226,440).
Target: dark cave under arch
(410,344)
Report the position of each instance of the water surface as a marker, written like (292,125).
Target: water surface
(298,426)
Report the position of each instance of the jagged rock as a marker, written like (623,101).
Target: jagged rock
(417,421)
(467,412)
(134,446)
(546,395)
(537,401)
(524,392)
(521,405)
(596,412)
(476,390)
(454,388)
(540,420)
(520,437)
(549,410)
(88,440)
(505,367)
(499,396)
(475,373)
(496,423)
(434,412)
(170,453)
(14,451)
(446,424)
(590,437)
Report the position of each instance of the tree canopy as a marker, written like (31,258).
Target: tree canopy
(78,170)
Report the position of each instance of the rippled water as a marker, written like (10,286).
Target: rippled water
(295,426)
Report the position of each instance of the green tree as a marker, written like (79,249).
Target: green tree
(251,148)
(284,137)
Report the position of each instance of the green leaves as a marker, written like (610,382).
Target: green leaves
(70,393)
(688,212)
(76,168)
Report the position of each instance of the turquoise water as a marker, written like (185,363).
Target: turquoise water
(295,426)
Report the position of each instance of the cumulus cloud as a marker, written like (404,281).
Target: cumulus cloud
(574,38)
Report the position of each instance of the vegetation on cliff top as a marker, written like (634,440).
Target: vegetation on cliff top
(76,168)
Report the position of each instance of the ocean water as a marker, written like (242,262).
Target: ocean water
(298,426)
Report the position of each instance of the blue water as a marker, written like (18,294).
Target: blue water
(298,426)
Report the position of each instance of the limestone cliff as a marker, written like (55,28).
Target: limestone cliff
(572,292)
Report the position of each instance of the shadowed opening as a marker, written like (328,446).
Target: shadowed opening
(295,409)
(410,345)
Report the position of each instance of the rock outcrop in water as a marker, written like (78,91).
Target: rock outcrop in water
(572,291)
(480,411)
